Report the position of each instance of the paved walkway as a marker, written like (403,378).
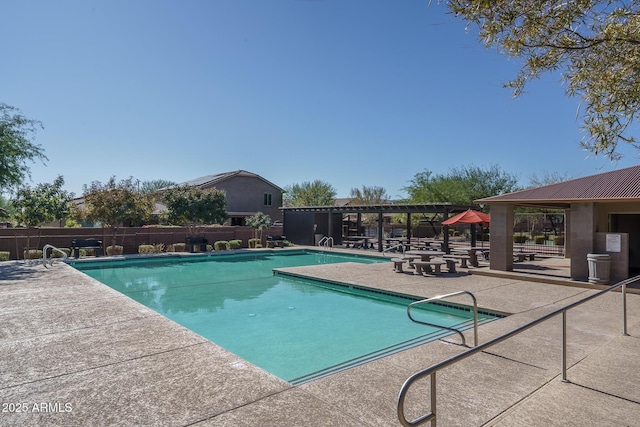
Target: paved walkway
(75,352)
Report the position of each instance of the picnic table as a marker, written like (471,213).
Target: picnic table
(358,241)
(425,255)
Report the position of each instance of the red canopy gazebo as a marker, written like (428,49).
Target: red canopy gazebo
(470,217)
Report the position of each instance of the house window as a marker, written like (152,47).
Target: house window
(267,199)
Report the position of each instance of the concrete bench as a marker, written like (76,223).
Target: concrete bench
(77,244)
(521,256)
(397,264)
(451,264)
(426,266)
(462,258)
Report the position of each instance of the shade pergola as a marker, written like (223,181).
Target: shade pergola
(445,209)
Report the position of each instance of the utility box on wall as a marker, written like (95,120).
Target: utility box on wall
(617,246)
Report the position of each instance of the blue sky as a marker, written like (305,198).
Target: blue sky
(351,92)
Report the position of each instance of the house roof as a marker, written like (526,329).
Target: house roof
(209,180)
(618,185)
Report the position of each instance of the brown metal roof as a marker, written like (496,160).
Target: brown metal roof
(618,185)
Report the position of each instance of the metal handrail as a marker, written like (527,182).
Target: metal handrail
(51,260)
(439,297)
(325,242)
(431,371)
(394,247)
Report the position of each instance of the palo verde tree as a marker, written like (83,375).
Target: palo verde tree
(258,222)
(369,195)
(41,204)
(316,193)
(193,207)
(595,45)
(16,146)
(115,204)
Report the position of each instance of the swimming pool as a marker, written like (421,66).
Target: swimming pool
(296,329)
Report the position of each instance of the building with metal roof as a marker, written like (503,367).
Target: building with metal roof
(602,217)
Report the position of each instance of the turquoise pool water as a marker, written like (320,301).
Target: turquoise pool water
(296,329)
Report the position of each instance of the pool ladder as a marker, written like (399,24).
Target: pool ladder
(51,260)
(326,242)
(457,331)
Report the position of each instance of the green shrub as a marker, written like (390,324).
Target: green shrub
(146,249)
(177,247)
(235,244)
(209,248)
(254,243)
(57,254)
(158,248)
(539,240)
(519,238)
(32,254)
(114,250)
(558,240)
(221,245)
(286,243)
(4,255)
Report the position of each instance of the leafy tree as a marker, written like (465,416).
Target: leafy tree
(594,44)
(461,185)
(16,146)
(194,207)
(369,195)
(155,185)
(258,222)
(114,204)
(41,204)
(316,193)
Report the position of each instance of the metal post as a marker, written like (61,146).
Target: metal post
(564,347)
(624,310)
(433,399)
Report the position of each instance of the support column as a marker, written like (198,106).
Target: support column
(582,228)
(501,241)
(380,231)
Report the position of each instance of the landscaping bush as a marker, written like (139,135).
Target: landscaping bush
(558,240)
(146,249)
(33,254)
(177,247)
(254,243)
(235,244)
(4,255)
(221,245)
(286,243)
(86,252)
(209,248)
(57,254)
(519,238)
(539,240)
(158,248)
(114,250)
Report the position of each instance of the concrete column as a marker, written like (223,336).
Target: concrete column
(582,228)
(501,242)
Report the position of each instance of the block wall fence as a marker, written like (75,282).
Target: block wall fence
(14,240)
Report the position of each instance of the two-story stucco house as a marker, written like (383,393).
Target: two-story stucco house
(247,194)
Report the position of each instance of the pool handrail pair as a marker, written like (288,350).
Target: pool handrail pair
(326,242)
(431,371)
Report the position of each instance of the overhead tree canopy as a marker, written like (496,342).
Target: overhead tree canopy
(460,186)
(369,195)
(594,44)
(194,207)
(116,203)
(316,193)
(16,147)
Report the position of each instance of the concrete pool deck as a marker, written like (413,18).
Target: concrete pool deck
(75,352)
